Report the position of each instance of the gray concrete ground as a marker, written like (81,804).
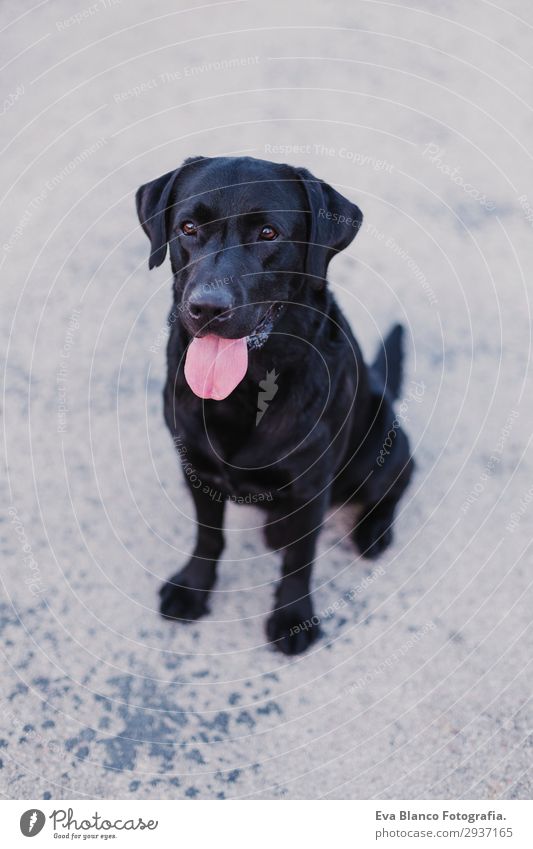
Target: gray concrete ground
(421,684)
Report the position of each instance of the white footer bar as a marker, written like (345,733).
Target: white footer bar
(263,825)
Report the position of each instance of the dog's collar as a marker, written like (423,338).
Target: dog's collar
(263,330)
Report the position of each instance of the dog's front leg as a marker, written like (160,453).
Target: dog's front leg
(186,594)
(292,626)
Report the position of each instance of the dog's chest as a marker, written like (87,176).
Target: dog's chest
(245,457)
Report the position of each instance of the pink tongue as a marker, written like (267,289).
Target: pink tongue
(214,366)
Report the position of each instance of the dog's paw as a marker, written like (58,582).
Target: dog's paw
(292,629)
(179,601)
(373,535)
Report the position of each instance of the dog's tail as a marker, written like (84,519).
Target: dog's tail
(388,363)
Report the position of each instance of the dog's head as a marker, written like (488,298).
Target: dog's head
(244,236)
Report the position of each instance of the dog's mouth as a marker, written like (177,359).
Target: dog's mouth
(259,336)
(214,366)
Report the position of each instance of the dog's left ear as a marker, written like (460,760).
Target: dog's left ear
(334,223)
(153,200)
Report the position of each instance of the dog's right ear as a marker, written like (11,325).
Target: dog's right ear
(153,204)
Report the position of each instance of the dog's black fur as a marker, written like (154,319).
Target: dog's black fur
(322,440)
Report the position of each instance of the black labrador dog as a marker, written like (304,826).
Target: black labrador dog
(267,396)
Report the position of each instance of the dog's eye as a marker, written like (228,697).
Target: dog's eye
(189,229)
(268,234)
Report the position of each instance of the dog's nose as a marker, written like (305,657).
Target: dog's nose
(210,307)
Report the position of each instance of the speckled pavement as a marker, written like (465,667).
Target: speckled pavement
(420,686)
